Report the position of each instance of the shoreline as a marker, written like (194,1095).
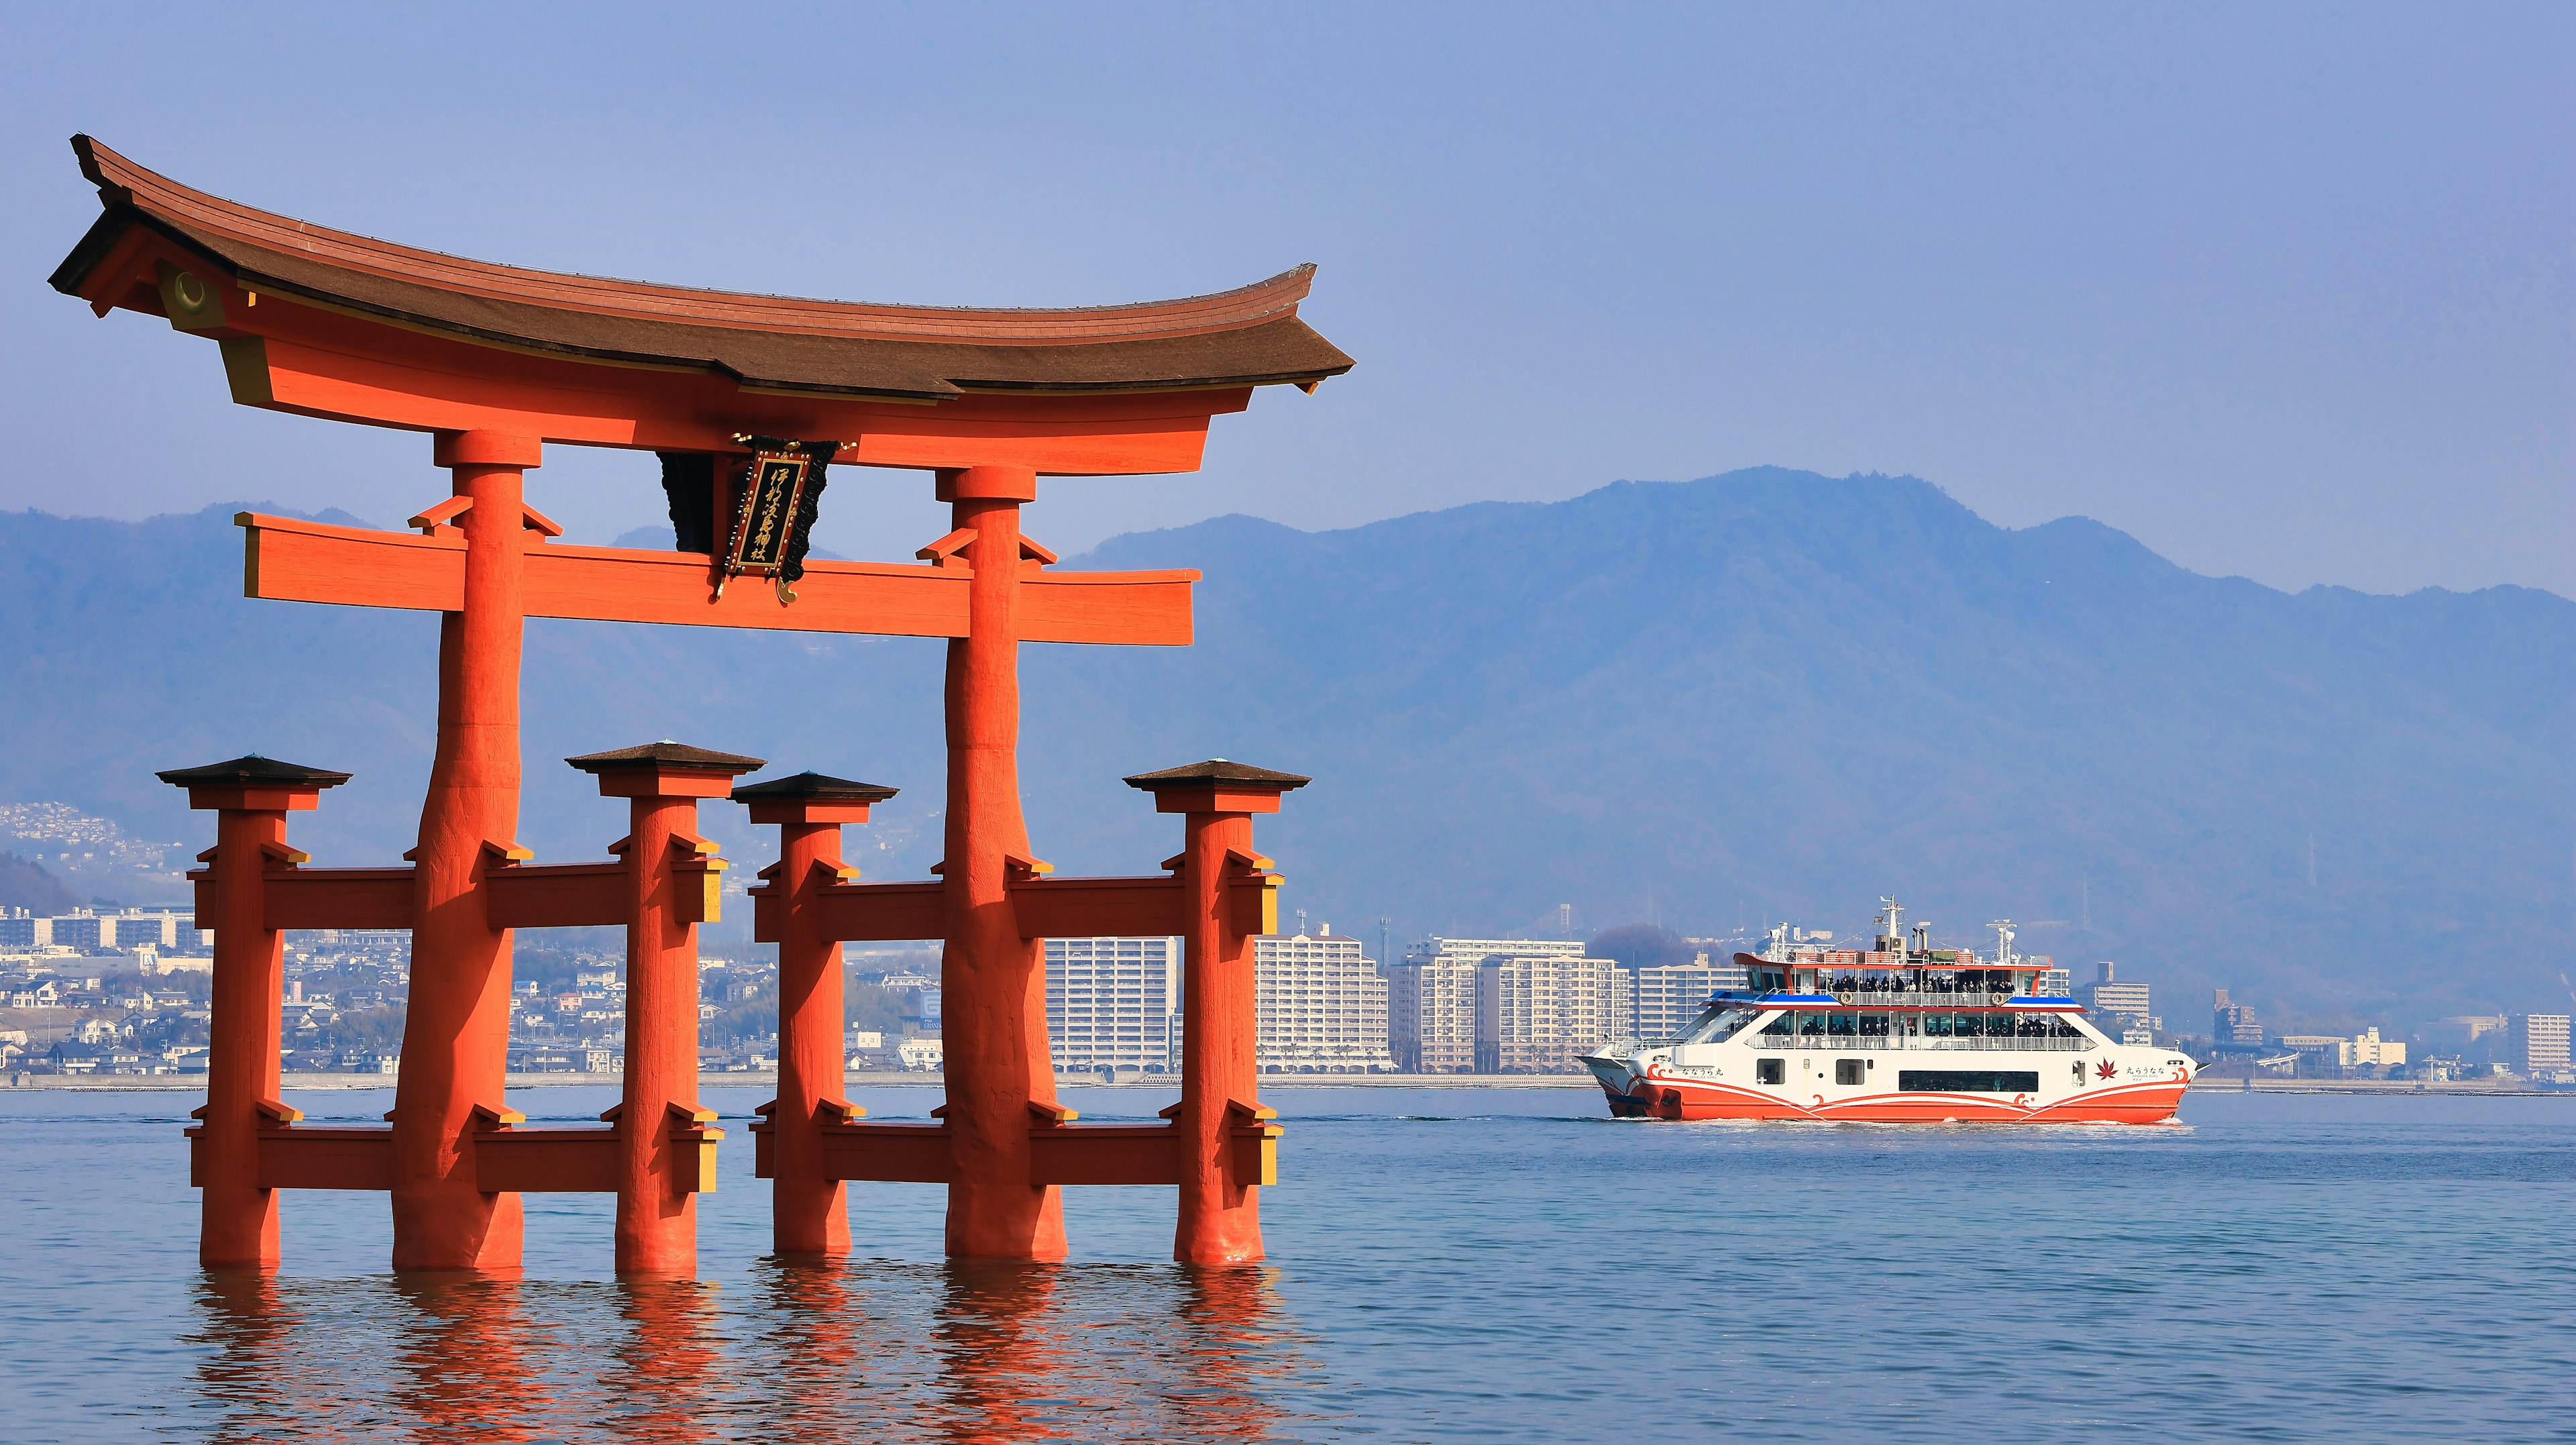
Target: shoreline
(196,1083)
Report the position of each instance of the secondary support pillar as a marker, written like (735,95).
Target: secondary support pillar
(456,1030)
(808,1209)
(250,798)
(993,987)
(1220,1216)
(673,879)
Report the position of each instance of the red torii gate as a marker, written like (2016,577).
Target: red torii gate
(495,362)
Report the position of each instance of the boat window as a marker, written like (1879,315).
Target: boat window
(1769,1071)
(1967,1081)
(1718,1025)
(1780,1024)
(1851,1071)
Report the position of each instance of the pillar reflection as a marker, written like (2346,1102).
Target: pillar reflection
(469,1367)
(816,1323)
(250,1366)
(671,1359)
(1238,1352)
(1000,1356)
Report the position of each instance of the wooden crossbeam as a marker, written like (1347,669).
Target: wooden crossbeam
(317,898)
(297,561)
(555,895)
(888,1153)
(1045,907)
(309,1157)
(338,898)
(546,1161)
(1058,1153)
(1099,907)
(866,912)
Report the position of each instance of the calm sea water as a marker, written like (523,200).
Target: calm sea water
(1446,1265)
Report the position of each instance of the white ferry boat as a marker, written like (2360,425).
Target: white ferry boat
(1896,1034)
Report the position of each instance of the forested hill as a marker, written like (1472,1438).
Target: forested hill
(1763,694)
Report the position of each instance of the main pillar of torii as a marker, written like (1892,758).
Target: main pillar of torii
(496,363)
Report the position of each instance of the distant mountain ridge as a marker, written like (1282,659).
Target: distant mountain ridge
(1752,695)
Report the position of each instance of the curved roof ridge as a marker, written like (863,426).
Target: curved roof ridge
(121,181)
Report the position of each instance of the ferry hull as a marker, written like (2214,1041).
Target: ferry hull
(1683,1098)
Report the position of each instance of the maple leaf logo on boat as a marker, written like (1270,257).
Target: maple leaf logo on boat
(2104,1069)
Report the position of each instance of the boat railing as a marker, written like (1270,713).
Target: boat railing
(1862,998)
(1991,1043)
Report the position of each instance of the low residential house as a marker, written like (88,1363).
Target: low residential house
(68,1057)
(42,995)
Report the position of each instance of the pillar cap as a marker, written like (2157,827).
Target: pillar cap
(1217,772)
(667,754)
(812,787)
(252,770)
(1217,786)
(254,784)
(665,770)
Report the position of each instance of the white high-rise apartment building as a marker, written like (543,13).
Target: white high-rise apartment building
(2540,1042)
(1670,996)
(1533,1015)
(1114,1002)
(2127,1002)
(1319,1005)
(1431,998)
(1461,1004)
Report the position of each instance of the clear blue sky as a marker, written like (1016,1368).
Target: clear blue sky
(2283,291)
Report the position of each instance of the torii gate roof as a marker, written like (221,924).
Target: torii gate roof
(365,331)
(1247,336)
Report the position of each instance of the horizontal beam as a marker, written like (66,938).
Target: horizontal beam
(555,895)
(338,898)
(866,912)
(888,1153)
(1058,1153)
(301,1157)
(1045,908)
(289,560)
(1105,1154)
(315,898)
(546,1161)
(1099,907)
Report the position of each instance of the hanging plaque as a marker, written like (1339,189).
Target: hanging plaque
(777,496)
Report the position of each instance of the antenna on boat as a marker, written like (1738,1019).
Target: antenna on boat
(1891,939)
(2004,955)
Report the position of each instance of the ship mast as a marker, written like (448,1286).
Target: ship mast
(2004,955)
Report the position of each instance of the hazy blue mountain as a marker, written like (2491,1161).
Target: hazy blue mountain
(1764,694)
(24,883)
